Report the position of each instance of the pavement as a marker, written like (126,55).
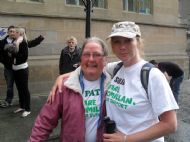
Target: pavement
(13,128)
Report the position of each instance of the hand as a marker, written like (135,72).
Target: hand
(115,137)
(41,38)
(57,85)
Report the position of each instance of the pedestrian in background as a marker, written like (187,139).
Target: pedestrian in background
(81,105)
(70,56)
(21,73)
(7,61)
(173,73)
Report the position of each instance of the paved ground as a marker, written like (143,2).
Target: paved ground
(182,134)
(13,128)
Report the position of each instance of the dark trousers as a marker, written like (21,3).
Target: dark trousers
(21,80)
(9,78)
(175,84)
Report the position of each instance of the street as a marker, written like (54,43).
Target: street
(17,129)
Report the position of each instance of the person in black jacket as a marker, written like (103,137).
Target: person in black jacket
(21,72)
(7,61)
(173,73)
(70,56)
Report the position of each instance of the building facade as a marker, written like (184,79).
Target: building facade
(164,36)
(184,14)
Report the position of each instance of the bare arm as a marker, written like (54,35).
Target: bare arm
(167,76)
(57,85)
(167,125)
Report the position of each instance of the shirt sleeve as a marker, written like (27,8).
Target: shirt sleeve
(160,93)
(109,68)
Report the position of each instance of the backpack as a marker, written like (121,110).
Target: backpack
(145,70)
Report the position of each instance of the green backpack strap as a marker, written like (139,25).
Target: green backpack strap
(145,70)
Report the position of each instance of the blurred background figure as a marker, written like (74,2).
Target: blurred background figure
(173,73)
(7,60)
(21,72)
(70,56)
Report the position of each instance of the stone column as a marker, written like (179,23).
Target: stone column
(188,48)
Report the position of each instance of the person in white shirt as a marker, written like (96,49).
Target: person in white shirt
(139,116)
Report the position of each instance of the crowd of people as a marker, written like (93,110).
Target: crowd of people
(87,89)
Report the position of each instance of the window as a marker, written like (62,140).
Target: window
(26,1)
(96,3)
(100,3)
(138,6)
(74,2)
(37,0)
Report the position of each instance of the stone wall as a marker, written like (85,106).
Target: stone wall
(164,38)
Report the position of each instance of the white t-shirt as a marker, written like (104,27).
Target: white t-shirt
(128,104)
(92,102)
(9,40)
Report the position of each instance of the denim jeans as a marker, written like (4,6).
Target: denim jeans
(175,84)
(9,77)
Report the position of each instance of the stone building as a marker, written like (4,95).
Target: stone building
(165,37)
(184,17)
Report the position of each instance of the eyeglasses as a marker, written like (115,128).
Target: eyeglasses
(94,55)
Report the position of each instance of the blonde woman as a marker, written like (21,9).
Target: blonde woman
(21,72)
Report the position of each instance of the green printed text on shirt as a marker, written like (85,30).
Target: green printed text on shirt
(117,99)
(90,103)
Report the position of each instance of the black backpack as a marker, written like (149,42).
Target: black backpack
(144,73)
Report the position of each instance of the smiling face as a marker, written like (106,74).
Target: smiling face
(126,49)
(92,60)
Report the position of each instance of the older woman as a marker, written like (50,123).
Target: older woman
(80,106)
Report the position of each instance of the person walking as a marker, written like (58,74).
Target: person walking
(70,56)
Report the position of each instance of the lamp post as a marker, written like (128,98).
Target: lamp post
(88,9)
